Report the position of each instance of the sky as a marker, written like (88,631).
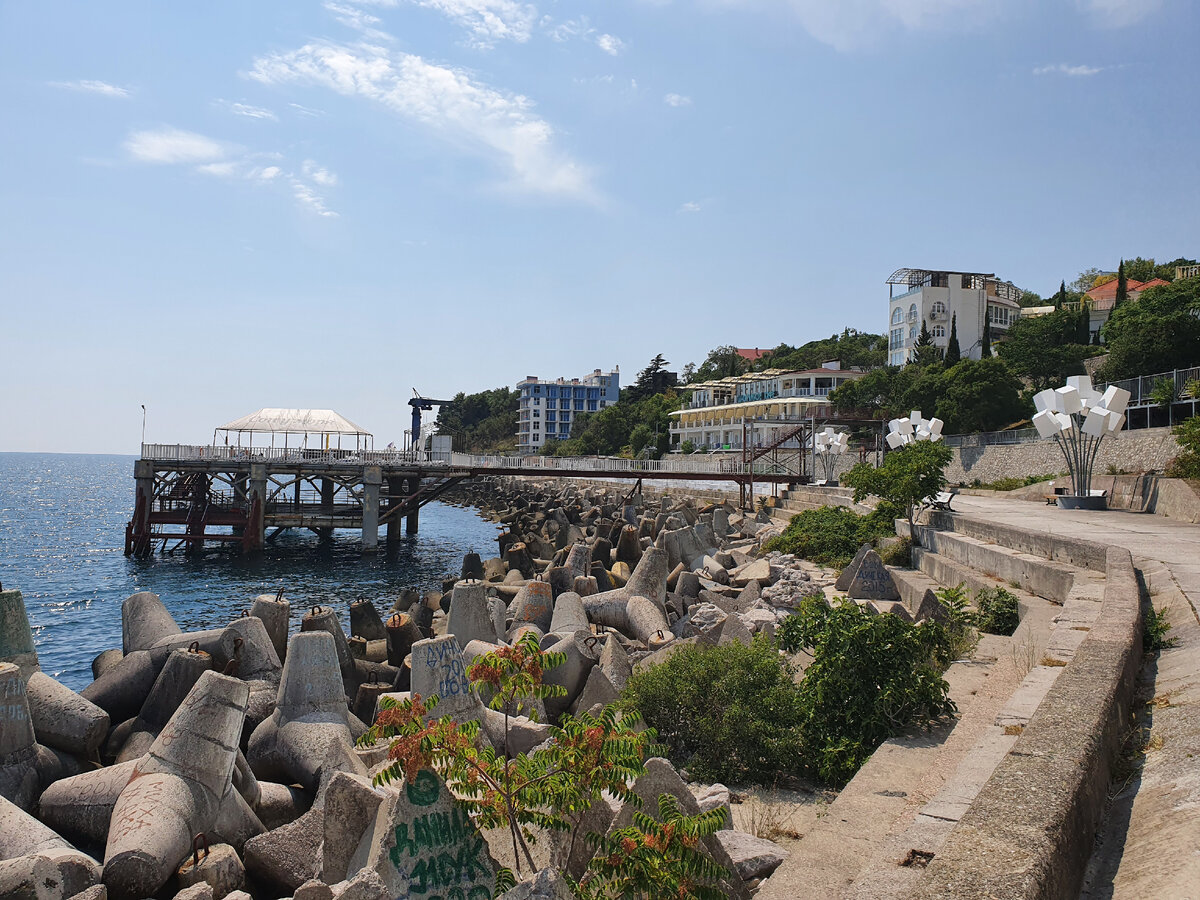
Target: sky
(208,208)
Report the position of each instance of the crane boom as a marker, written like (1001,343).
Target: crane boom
(420,404)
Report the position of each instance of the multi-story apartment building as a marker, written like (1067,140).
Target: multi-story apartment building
(769,401)
(934,297)
(548,409)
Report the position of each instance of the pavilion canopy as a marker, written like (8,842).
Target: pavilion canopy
(295,421)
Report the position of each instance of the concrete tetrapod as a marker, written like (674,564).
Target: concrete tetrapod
(533,605)
(62,718)
(18,746)
(323,618)
(179,675)
(144,622)
(469,618)
(649,582)
(275,613)
(16,638)
(310,716)
(176,790)
(365,621)
(21,835)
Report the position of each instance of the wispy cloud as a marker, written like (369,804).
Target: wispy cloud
(217,159)
(677,100)
(851,24)
(92,87)
(173,146)
(610,44)
(1118,13)
(691,206)
(251,112)
(306,111)
(358,19)
(1071,71)
(499,126)
(487,21)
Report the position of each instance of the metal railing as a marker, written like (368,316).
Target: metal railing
(209,452)
(1141,387)
(990,438)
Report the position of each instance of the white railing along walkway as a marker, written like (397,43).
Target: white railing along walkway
(697,464)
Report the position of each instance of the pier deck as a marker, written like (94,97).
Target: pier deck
(189,495)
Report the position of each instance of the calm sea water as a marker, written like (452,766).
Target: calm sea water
(62,533)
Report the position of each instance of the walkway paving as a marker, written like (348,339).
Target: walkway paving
(1147,846)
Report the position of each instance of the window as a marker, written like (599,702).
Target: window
(551,415)
(896,339)
(967,282)
(939,279)
(913,331)
(552,393)
(537,388)
(537,413)
(564,404)
(591,406)
(897,316)
(912,313)
(938,310)
(939,331)
(579,404)
(579,393)
(603,403)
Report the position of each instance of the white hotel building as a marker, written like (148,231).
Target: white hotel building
(548,409)
(770,402)
(934,296)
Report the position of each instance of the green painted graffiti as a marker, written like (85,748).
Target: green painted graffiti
(424,789)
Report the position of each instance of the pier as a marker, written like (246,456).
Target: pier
(235,493)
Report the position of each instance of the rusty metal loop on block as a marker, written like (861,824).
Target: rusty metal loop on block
(591,641)
(194,647)
(279,594)
(659,635)
(316,611)
(373,677)
(237,646)
(199,839)
(245,614)
(394,621)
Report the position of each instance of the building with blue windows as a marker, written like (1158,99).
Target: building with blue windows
(548,409)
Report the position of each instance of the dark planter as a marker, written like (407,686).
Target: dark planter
(1069,501)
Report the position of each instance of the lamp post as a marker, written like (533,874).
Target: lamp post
(914,428)
(828,445)
(143,424)
(1079,417)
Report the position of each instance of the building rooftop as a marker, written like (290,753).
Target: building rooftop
(1104,296)
(752,355)
(914,277)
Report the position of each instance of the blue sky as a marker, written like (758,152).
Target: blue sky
(210,208)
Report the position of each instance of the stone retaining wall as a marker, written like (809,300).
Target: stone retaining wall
(1148,449)
(1029,832)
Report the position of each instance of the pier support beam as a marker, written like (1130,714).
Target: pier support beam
(257,501)
(372,479)
(137,538)
(411,522)
(396,495)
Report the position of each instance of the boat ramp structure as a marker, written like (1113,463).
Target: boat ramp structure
(313,469)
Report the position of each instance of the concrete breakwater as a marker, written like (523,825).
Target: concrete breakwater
(222,762)
(242,737)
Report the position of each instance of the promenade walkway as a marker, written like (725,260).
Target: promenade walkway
(1148,843)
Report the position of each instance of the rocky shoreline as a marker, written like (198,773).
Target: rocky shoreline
(243,738)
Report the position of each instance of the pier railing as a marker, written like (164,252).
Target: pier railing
(203,452)
(699,464)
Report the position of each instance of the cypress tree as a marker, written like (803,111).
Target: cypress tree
(985,348)
(953,353)
(924,350)
(1122,286)
(1061,297)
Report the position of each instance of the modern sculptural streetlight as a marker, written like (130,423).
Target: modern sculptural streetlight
(828,445)
(1079,417)
(914,428)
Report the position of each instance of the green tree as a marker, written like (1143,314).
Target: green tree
(722,362)
(978,395)
(855,349)
(1029,298)
(484,422)
(925,351)
(953,352)
(907,477)
(1045,349)
(1122,286)
(1087,280)
(1159,333)
(1061,296)
(985,344)
(654,379)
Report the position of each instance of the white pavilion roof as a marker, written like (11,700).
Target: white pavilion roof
(294,421)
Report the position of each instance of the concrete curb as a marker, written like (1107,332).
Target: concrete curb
(1029,833)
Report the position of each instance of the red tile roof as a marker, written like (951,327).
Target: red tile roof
(752,355)
(1105,296)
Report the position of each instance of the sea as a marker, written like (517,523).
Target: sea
(62,535)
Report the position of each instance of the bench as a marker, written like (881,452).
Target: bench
(941,500)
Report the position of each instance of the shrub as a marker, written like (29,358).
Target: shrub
(998,611)
(958,636)
(1187,463)
(907,478)
(831,535)
(1154,635)
(727,713)
(871,677)
(897,553)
